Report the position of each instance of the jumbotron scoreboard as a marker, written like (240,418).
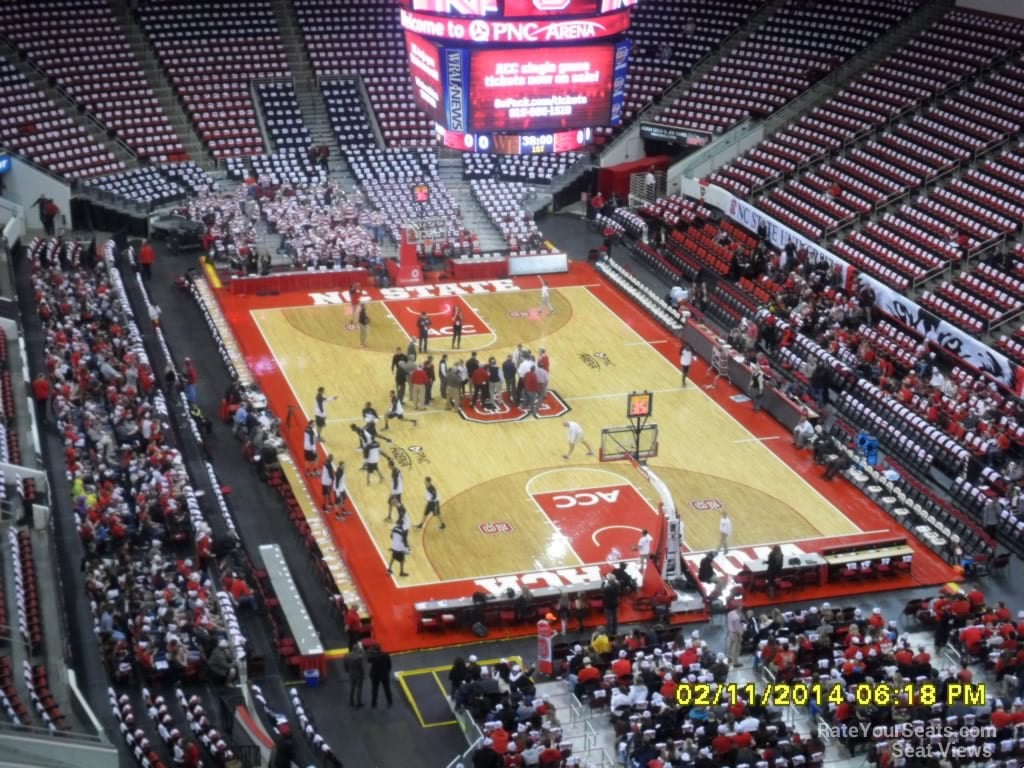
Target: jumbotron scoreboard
(518,76)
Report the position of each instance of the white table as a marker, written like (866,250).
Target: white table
(311,649)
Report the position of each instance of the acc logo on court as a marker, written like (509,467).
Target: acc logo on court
(585,498)
(501,527)
(706,505)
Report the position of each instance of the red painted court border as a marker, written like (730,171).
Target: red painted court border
(391,605)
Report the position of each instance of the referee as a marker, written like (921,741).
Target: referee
(433,504)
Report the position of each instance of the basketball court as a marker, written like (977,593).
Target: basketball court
(516,511)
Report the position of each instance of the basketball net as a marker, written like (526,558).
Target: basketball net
(669,543)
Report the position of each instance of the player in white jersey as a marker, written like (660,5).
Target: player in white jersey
(396,411)
(545,297)
(371,459)
(327,481)
(320,410)
(397,486)
(340,492)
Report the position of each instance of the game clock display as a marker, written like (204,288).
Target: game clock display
(639,405)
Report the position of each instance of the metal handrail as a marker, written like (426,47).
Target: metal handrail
(44,733)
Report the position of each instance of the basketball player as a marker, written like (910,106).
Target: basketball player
(309,448)
(397,484)
(320,411)
(433,504)
(575,434)
(402,521)
(545,297)
(370,419)
(397,411)
(399,548)
(340,492)
(327,481)
(371,455)
(362,435)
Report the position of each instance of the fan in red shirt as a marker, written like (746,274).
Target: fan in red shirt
(622,667)
(961,607)
(877,620)
(722,744)
(1000,717)
(904,657)
(589,673)
(668,687)
(193,759)
(1018,712)
(976,598)
(550,756)
(972,638)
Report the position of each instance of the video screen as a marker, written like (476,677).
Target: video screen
(425,69)
(540,89)
(512,9)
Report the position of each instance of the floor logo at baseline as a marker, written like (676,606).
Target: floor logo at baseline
(553,407)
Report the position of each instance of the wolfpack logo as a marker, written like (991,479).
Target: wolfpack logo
(553,407)
(500,527)
(706,505)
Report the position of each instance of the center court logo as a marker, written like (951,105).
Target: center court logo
(553,407)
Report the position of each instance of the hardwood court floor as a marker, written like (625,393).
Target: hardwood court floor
(502,482)
(515,509)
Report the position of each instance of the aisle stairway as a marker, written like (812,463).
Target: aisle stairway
(307,90)
(161,86)
(473,215)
